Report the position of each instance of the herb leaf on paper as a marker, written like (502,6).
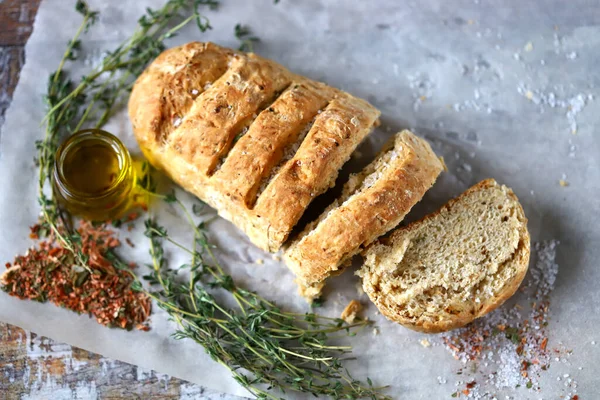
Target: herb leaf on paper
(263,346)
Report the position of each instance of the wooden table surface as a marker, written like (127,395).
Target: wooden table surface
(35,367)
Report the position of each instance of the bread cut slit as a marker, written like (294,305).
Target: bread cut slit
(454,265)
(314,168)
(372,202)
(222,110)
(246,125)
(184,73)
(261,148)
(289,151)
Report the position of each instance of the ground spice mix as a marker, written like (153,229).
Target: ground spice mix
(48,272)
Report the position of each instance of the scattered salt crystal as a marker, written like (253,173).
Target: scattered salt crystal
(195,91)
(375,331)
(177,122)
(593,342)
(572,55)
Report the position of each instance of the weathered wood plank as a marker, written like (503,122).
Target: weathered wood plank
(36,367)
(11,61)
(16,21)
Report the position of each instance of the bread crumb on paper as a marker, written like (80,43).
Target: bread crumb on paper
(425,343)
(260,261)
(350,312)
(528,47)
(529,95)
(375,331)
(563,183)
(359,289)
(275,257)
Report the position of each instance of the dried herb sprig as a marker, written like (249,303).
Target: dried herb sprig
(93,100)
(244,35)
(90,103)
(264,347)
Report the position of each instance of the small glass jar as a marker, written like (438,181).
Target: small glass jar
(93,175)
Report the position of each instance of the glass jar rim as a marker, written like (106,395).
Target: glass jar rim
(81,136)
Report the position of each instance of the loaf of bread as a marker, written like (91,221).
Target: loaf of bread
(372,202)
(253,140)
(454,265)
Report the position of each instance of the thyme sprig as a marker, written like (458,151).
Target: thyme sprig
(90,102)
(244,35)
(263,346)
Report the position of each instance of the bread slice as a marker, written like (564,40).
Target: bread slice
(454,265)
(372,202)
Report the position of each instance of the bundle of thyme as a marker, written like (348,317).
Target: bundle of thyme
(263,346)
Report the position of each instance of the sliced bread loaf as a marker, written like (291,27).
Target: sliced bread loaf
(454,265)
(372,202)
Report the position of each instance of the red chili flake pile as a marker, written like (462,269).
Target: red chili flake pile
(508,349)
(48,272)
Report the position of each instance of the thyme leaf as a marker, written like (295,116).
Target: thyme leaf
(244,35)
(263,346)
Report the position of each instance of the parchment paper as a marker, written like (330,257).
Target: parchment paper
(498,88)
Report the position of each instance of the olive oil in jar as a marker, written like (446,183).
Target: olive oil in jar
(92,168)
(93,175)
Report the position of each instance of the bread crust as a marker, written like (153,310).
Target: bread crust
(357,219)
(520,259)
(217,121)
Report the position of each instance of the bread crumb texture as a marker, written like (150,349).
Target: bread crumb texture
(454,265)
(351,311)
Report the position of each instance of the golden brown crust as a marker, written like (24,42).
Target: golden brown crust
(170,85)
(259,150)
(357,219)
(225,108)
(464,314)
(335,134)
(194,102)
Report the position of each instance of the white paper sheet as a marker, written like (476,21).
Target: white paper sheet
(464,77)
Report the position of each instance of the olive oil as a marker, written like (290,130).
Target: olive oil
(93,167)
(93,175)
